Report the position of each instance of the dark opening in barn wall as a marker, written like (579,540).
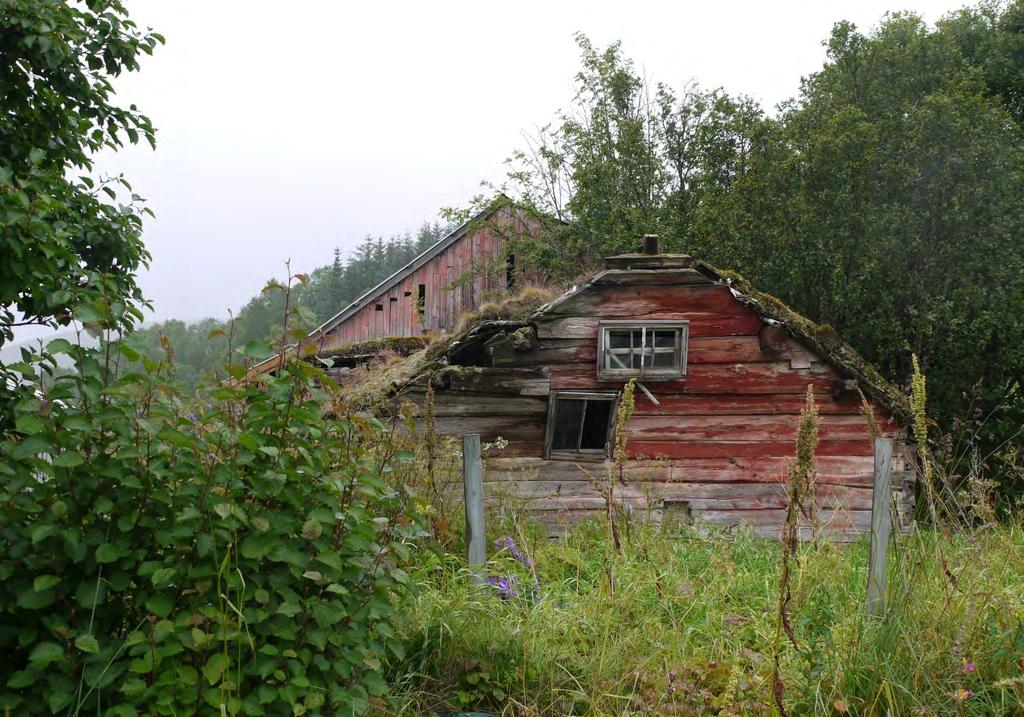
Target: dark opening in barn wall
(676,515)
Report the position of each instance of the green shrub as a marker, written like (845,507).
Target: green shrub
(238,552)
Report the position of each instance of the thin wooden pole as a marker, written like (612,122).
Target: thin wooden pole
(473,479)
(881,525)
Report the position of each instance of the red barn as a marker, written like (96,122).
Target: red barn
(471,265)
(722,374)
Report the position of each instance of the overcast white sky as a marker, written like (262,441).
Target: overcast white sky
(289,128)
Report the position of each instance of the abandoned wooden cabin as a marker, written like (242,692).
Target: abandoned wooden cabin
(722,373)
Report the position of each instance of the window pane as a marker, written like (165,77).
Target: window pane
(665,359)
(618,339)
(665,339)
(595,424)
(618,358)
(568,414)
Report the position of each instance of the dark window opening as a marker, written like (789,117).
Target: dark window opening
(421,299)
(580,425)
(378,307)
(408,293)
(394,298)
(510,270)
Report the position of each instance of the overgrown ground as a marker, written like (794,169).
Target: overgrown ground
(686,624)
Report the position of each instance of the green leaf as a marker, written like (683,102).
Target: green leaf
(42,532)
(87,643)
(45,653)
(256,546)
(57,700)
(163,576)
(133,686)
(68,460)
(143,664)
(44,582)
(288,609)
(32,600)
(215,666)
(30,423)
(108,553)
(160,605)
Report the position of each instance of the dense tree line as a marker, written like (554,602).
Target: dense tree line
(883,200)
(200,347)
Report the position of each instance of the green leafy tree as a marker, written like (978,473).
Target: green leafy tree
(882,200)
(161,554)
(71,242)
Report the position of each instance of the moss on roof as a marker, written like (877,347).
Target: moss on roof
(822,339)
(519,313)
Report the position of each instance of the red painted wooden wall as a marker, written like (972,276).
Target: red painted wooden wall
(457,279)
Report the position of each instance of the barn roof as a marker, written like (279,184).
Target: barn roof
(468,346)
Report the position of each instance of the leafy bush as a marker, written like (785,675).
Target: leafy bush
(238,551)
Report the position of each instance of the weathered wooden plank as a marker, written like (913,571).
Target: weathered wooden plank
(760,378)
(701,350)
(448,404)
(746,427)
(881,524)
(701,324)
(832,470)
(650,277)
(496,381)
(642,301)
(710,469)
(473,498)
(716,404)
(719,496)
(835,519)
(515,428)
(516,449)
(738,449)
(583,352)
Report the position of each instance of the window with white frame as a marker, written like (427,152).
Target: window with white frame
(642,349)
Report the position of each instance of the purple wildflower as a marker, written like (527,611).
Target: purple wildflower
(969,666)
(506,586)
(507,543)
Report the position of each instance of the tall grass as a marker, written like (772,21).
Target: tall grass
(692,621)
(690,630)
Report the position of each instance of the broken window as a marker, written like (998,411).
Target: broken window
(580,425)
(421,299)
(651,349)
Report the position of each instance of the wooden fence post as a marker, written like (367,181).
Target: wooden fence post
(472,474)
(881,525)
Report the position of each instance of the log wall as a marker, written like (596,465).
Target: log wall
(719,441)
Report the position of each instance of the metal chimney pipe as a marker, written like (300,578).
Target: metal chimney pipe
(650,244)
